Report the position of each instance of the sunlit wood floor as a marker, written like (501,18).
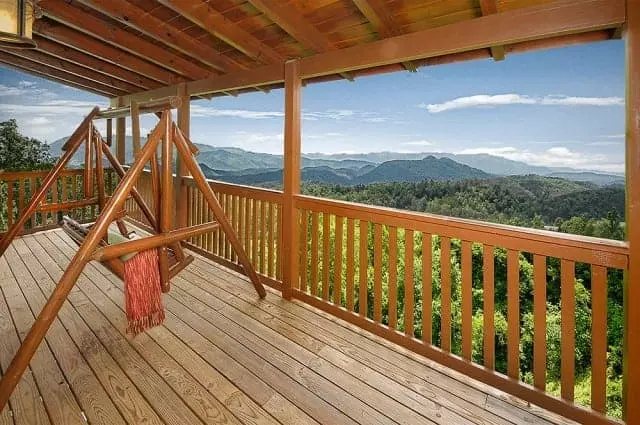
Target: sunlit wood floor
(221,357)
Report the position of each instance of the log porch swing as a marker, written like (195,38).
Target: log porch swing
(94,241)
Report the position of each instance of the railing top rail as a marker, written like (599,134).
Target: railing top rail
(14,175)
(259,193)
(592,250)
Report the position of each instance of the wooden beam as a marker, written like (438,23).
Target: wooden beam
(130,15)
(380,18)
(184,124)
(71,68)
(460,41)
(11,58)
(51,78)
(65,12)
(206,17)
(79,58)
(121,127)
(631,354)
(286,17)
(291,179)
(489,7)
(89,45)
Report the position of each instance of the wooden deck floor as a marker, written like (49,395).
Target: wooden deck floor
(222,357)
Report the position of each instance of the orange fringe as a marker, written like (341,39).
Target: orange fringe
(143,294)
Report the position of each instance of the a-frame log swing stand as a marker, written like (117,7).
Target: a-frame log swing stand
(93,244)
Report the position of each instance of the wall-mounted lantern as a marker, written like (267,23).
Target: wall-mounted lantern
(16,22)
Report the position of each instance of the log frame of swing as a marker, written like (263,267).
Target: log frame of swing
(57,298)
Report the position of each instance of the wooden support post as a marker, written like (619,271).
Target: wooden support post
(184,124)
(166,202)
(631,368)
(135,128)
(121,145)
(292,151)
(71,274)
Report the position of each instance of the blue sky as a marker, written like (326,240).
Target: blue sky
(561,107)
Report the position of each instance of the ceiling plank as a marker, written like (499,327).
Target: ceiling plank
(91,46)
(212,21)
(64,11)
(550,21)
(290,21)
(489,7)
(65,52)
(135,17)
(379,17)
(50,78)
(46,70)
(71,68)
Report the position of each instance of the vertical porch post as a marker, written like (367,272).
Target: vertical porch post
(631,373)
(120,133)
(292,148)
(184,123)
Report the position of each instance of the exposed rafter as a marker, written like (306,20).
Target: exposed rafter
(207,18)
(65,12)
(135,17)
(379,17)
(89,45)
(65,52)
(71,68)
(489,7)
(48,71)
(285,17)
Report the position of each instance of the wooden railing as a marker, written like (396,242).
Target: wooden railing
(473,296)
(255,214)
(65,197)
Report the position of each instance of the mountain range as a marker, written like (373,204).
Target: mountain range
(237,165)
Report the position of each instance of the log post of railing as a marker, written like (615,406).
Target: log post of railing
(631,370)
(291,175)
(180,186)
(121,154)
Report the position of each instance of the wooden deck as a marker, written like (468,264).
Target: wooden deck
(222,357)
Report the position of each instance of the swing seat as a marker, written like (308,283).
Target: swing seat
(78,232)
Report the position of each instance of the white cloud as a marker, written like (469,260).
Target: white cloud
(554,157)
(614,136)
(24,83)
(419,143)
(26,89)
(489,101)
(204,111)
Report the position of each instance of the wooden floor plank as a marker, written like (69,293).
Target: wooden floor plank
(94,401)
(165,402)
(318,324)
(59,401)
(129,401)
(173,392)
(224,356)
(420,394)
(26,406)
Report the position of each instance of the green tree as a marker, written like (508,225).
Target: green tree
(21,153)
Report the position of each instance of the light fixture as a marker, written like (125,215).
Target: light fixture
(16,22)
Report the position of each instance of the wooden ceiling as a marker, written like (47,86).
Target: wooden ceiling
(119,47)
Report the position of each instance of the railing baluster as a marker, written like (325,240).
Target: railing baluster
(427,288)
(364,269)
(513,313)
(271,224)
(377,272)
(445,291)
(568,326)
(393,277)
(248,211)
(489,345)
(599,338)
(314,254)
(263,238)
(337,269)
(350,262)
(467,296)
(326,230)
(254,232)
(20,196)
(279,224)
(540,321)
(304,260)
(10,202)
(408,283)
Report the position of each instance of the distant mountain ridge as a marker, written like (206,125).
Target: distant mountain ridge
(240,166)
